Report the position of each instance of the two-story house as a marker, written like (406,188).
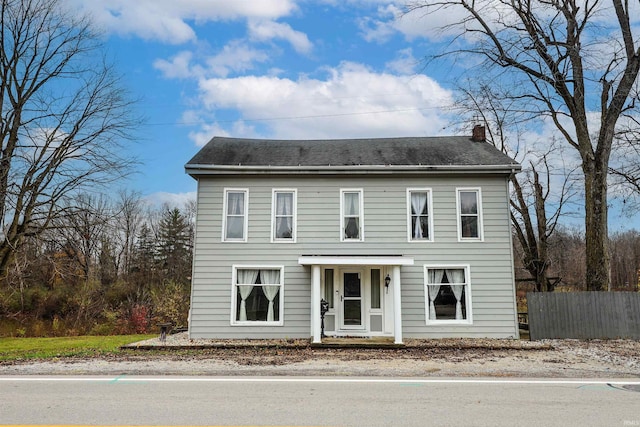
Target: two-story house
(402,237)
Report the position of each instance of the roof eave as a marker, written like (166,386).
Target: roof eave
(195,169)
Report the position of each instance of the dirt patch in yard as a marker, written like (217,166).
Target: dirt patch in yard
(419,358)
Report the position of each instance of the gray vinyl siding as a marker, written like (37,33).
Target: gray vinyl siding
(385,231)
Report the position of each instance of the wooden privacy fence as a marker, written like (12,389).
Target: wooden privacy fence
(584,315)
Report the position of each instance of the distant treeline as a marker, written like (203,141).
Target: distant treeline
(566,255)
(108,266)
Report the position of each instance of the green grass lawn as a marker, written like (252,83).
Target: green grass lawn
(47,348)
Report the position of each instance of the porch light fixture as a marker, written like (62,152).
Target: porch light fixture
(387,280)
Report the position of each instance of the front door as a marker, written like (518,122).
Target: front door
(351,300)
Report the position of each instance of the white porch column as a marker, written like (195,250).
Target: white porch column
(315,303)
(397,305)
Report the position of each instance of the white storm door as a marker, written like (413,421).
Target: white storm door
(352,300)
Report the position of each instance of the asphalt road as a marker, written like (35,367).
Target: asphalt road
(130,400)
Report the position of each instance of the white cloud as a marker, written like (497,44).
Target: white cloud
(178,200)
(206,132)
(382,27)
(208,127)
(404,63)
(145,19)
(437,23)
(352,101)
(169,20)
(235,57)
(440,22)
(178,67)
(267,30)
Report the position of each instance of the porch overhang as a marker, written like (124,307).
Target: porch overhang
(317,261)
(382,260)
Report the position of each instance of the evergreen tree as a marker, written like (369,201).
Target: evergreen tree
(174,252)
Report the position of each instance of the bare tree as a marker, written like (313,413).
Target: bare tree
(625,170)
(562,51)
(533,228)
(536,207)
(567,254)
(63,119)
(82,231)
(128,221)
(625,260)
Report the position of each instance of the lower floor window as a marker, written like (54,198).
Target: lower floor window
(447,293)
(258,295)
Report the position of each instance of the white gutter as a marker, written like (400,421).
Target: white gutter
(350,169)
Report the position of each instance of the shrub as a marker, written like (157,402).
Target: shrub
(139,319)
(171,303)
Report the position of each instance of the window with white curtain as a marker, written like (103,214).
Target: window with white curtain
(419,218)
(351,215)
(469,214)
(447,294)
(235,220)
(257,295)
(283,223)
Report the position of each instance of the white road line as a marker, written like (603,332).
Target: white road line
(125,378)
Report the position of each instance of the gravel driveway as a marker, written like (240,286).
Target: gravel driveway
(419,358)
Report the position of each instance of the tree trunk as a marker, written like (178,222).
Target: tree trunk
(596,226)
(6,256)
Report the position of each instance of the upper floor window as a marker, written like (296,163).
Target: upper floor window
(420,223)
(235,219)
(469,214)
(351,215)
(283,224)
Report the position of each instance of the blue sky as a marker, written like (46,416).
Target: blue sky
(270,69)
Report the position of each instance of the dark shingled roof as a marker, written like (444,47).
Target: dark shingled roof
(423,151)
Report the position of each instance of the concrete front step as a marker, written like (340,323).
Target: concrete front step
(358,342)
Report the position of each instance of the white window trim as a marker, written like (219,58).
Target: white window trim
(245,228)
(361,211)
(294,215)
(332,310)
(429,214)
(478,192)
(379,310)
(467,275)
(234,295)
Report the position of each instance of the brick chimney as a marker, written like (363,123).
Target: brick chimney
(478,134)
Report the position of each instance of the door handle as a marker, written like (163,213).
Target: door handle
(340,298)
